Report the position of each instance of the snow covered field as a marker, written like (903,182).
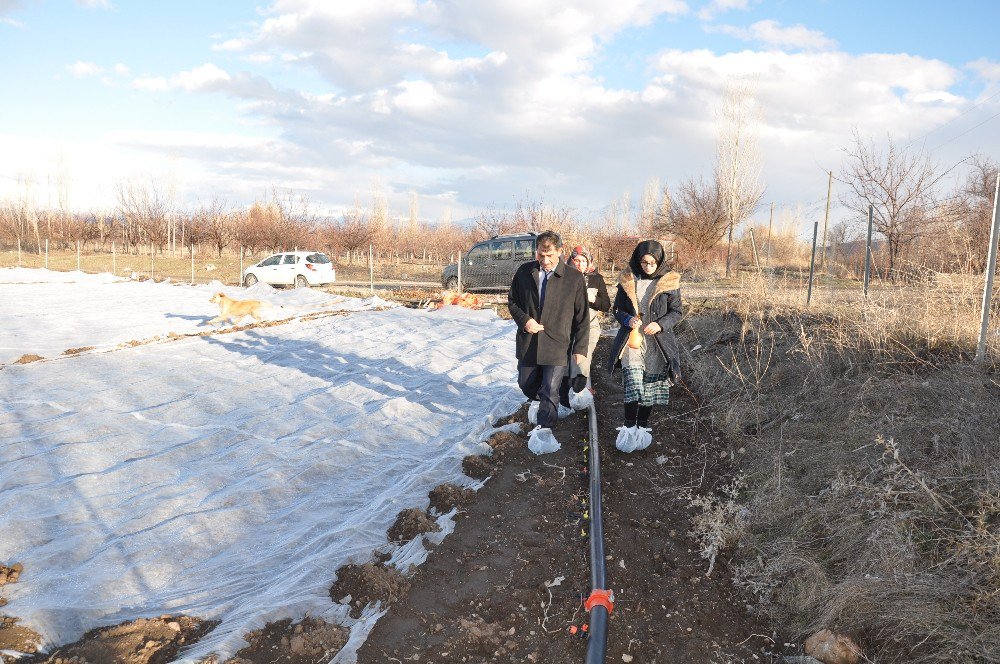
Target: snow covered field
(225,476)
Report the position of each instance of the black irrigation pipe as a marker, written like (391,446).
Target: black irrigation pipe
(597,639)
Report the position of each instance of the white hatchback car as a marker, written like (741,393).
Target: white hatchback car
(292,268)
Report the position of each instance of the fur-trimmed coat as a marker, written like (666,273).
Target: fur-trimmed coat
(664,308)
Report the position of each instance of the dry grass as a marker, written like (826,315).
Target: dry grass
(873,464)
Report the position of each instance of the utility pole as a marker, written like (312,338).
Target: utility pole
(826,218)
(991,268)
(769,224)
(868,250)
(812,263)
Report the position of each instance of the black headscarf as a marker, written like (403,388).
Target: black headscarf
(654,249)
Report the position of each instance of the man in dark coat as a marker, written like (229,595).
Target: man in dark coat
(548,301)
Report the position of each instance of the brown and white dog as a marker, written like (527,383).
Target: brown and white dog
(233,310)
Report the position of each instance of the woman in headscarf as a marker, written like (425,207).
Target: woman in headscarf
(647,307)
(599,301)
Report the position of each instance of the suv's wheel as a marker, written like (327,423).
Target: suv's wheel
(300,281)
(451,284)
(249,280)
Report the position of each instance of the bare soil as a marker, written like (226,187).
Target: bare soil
(509,583)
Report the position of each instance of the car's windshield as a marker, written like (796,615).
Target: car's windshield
(319,259)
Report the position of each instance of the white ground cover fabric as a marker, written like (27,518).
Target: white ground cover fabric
(47,312)
(228,477)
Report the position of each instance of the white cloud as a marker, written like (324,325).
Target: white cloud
(209,78)
(772,34)
(94,4)
(81,69)
(121,69)
(716,7)
(204,77)
(9,7)
(986,68)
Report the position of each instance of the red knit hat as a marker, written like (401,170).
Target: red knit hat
(580,250)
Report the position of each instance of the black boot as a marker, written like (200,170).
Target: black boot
(631,412)
(642,415)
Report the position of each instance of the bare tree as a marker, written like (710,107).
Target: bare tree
(738,165)
(897,183)
(143,207)
(215,225)
(976,197)
(649,207)
(699,215)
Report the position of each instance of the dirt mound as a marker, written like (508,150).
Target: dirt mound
(143,641)
(477,467)
(28,358)
(411,523)
(10,574)
(15,637)
(77,351)
(446,497)
(504,442)
(368,583)
(309,642)
(520,416)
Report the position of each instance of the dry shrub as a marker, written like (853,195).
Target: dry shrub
(873,464)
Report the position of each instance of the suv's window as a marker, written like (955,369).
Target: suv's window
(502,249)
(290,259)
(524,250)
(319,259)
(273,260)
(478,254)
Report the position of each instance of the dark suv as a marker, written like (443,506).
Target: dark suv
(490,264)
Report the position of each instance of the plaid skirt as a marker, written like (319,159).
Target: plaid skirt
(647,389)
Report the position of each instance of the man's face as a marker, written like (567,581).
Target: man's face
(548,257)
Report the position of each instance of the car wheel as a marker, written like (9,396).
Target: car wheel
(249,280)
(451,284)
(300,281)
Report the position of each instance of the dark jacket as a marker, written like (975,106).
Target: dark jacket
(595,280)
(565,315)
(664,308)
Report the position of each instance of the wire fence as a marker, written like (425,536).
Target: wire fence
(487,267)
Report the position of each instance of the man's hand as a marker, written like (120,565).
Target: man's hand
(652,328)
(533,326)
(634,322)
(579,359)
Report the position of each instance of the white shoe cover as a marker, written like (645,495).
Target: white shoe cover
(581,400)
(541,441)
(533,412)
(564,412)
(643,437)
(626,439)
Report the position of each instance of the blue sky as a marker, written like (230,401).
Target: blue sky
(469,104)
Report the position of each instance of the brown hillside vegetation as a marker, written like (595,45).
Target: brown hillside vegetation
(872,481)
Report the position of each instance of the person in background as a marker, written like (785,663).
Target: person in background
(599,302)
(548,301)
(647,307)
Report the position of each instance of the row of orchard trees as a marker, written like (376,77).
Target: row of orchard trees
(144,219)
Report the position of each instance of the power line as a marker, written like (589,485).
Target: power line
(954,119)
(992,117)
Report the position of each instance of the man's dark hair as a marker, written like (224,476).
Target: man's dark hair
(548,239)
